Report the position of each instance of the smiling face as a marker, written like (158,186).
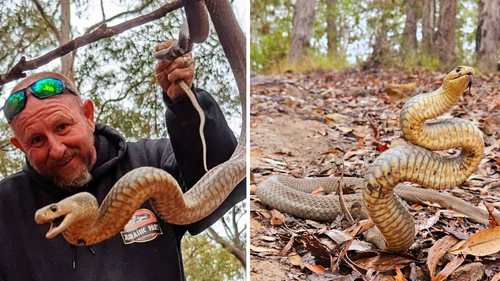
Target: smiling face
(56,135)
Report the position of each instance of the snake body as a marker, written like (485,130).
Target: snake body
(414,163)
(79,217)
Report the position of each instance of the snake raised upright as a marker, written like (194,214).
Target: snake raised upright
(83,222)
(414,162)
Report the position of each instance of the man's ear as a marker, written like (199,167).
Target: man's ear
(16,143)
(88,112)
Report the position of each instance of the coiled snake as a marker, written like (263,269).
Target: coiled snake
(413,162)
(83,222)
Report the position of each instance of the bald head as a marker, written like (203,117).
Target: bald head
(37,76)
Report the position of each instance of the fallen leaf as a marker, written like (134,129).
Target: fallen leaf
(492,219)
(382,147)
(284,153)
(399,275)
(383,262)
(315,268)
(483,243)
(428,223)
(318,191)
(437,251)
(331,152)
(338,236)
(296,260)
(257,249)
(277,218)
(452,265)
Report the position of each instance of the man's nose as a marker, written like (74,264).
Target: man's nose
(56,148)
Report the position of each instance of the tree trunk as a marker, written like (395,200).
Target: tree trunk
(331,27)
(410,31)
(488,35)
(428,24)
(444,43)
(67,60)
(380,50)
(303,18)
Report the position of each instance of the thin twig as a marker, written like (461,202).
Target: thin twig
(47,20)
(341,197)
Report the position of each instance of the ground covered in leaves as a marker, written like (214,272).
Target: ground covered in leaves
(307,125)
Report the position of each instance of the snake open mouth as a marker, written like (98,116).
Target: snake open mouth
(54,226)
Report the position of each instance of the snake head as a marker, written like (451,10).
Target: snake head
(59,217)
(63,214)
(459,79)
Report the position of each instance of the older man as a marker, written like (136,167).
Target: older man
(67,152)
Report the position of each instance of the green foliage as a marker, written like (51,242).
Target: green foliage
(204,260)
(421,60)
(271,23)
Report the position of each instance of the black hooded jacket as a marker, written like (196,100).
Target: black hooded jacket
(25,253)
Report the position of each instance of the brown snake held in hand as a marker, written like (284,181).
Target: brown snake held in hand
(413,162)
(79,217)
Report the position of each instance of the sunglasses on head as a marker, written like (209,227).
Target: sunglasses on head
(41,89)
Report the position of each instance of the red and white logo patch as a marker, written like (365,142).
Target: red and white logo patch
(142,227)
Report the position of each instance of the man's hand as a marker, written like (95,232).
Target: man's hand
(168,72)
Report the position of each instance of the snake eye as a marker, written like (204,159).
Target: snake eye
(458,69)
(53,208)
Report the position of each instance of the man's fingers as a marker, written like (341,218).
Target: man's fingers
(185,61)
(185,74)
(161,66)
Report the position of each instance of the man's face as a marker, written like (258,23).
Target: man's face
(56,134)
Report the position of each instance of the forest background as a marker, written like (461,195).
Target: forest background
(404,35)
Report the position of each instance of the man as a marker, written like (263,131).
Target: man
(67,152)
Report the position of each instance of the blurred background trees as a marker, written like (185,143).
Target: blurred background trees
(117,73)
(374,34)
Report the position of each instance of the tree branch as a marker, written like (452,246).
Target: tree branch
(102,32)
(237,252)
(49,22)
(104,20)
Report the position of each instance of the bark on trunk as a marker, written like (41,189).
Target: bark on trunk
(444,43)
(428,24)
(303,18)
(380,50)
(331,26)
(67,60)
(488,35)
(410,31)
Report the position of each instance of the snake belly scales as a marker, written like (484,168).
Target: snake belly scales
(79,217)
(415,162)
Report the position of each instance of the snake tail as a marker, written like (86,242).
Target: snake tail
(417,162)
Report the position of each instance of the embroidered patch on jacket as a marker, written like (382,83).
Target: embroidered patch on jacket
(142,227)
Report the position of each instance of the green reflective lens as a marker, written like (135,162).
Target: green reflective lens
(14,104)
(41,89)
(47,87)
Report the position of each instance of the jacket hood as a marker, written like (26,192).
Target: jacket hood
(110,147)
